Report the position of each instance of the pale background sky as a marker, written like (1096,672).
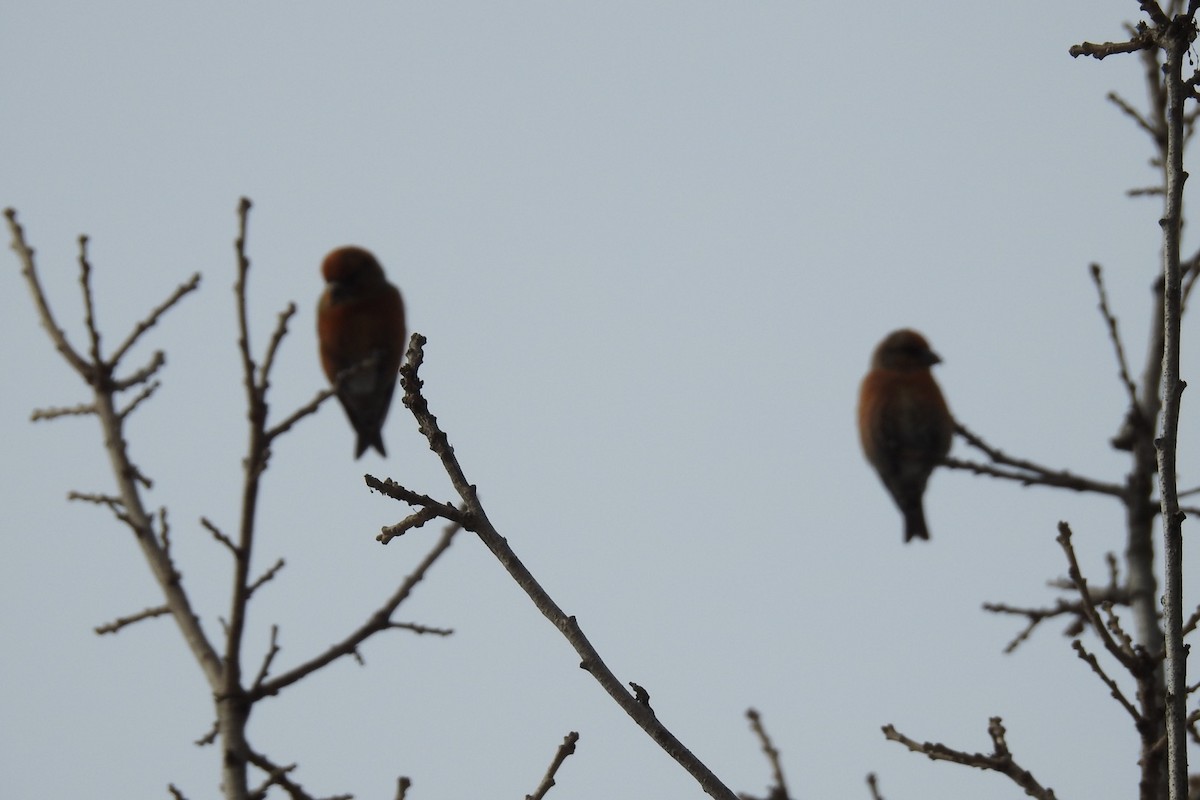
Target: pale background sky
(652,245)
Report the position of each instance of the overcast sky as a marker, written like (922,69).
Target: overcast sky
(652,245)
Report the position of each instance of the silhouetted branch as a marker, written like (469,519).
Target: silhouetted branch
(181,291)
(25,254)
(1114,336)
(1121,652)
(219,535)
(272,651)
(1024,471)
(42,414)
(1000,760)
(121,622)
(778,790)
(281,329)
(209,737)
(565,749)
(1138,119)
(410,522)
(144,394)
(157,362)
(1113,689)
(380,620)
(476,520)
(278,776)
(266,576)
(1113,593)
(1102,51)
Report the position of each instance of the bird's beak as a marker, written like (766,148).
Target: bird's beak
(933,358)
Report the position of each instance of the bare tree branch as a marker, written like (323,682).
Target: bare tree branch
(1176,38)
(272,651)
(1115,337)
(25,253)
(121,622)
(565,749)
(266,576)
(1088,606)
(1113,689)
(157,361)
(410,522)
(181,291)
(1000,760)
(1102,51)
(89,311)
(144,394)
(1026,472)
(778,790)
(300,413)
(476,520)
(380,620)
(43,414)
(217,534)
(1138,119)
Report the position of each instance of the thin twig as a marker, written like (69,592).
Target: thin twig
(779,790)
(1088,607)
(210,737)
(142,375)
(477,521)
(1114,336)
(379,620)
(1028,473)
(29,271)
(305,410)
(423,629)
(143,395)
(565,749)
(281,329)
(89,309)
(1113,689)
(181,291)
(272,651)
(410,522)
(1136,116)
(1102,51)
(266,576)
(121,622)
(42,414)
(219,535)
(1000,760)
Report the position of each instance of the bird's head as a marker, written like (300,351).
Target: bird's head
(350,270)
(904,350)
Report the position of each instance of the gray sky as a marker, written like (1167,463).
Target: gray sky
(652,245)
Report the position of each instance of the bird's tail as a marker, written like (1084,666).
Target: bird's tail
(372,439)
(914,523)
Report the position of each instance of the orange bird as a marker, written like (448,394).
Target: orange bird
(904,423)
(360,318)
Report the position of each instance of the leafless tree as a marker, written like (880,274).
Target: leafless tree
(1153,653)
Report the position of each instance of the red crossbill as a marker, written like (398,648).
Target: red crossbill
(904,423)
(360,318)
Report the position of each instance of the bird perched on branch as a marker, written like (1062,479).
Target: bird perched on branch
(904,423)
(360,330)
